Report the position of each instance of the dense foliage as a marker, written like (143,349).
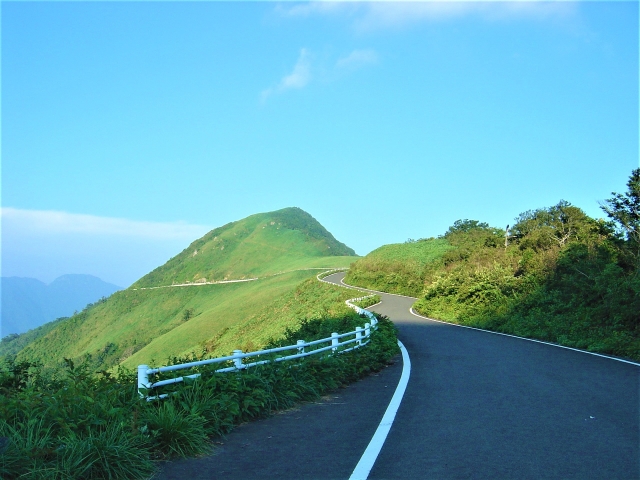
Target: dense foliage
(556,275)
(397,268)
(71,423)
(624,210)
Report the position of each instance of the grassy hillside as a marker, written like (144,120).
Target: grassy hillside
(399,267)
(12,344)
(259,245)
(71,423)
(563,277)
(144,324)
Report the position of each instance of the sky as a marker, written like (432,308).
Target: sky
(131,129)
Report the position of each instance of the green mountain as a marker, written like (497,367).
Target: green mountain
(261,244)
(178,308)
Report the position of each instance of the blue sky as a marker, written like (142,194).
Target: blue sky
(131,129)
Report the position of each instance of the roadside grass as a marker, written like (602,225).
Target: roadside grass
(368,301)
(222,319)
(71,423)
(560,277)
(309,301)
(143,326)
(397,268)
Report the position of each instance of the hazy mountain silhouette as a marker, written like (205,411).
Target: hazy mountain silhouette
(28,303)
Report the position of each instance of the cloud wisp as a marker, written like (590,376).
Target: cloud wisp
(375,16)
(308,9)
(357,59)
(299,77)
(21,222)
(301,74)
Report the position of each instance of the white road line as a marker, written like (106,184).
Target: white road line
(413,312)
(370,455)
(364,466)
(527,339)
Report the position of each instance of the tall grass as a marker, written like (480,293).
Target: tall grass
(397,268)
(70,422)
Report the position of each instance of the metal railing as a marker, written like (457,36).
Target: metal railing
(360,337)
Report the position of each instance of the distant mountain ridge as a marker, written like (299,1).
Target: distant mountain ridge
(28,303)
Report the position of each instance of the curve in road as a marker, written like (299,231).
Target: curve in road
(478,405)
(490,406)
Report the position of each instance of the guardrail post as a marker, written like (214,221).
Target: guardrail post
(143,378)
(335,341)
(367,329)
(237,361)
(300,349)
(358,336)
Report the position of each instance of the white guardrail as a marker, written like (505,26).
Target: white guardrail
(360,337)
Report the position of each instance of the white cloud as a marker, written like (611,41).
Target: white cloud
(298,78)
(532,9)
(45,244)
(357,59)
(372,16)
(301,74)
(21,222)
(314,8)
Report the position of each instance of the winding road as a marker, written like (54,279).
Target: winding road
(478,405)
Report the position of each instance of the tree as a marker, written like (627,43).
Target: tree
(541,229)
(624,210)
(463,226)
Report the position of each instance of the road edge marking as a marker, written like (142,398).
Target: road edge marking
(364,466)
(412,311)
(524,338)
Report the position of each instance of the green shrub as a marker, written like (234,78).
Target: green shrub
(71,423)
(397,268)
(564,278)
(174,432)
(112,453)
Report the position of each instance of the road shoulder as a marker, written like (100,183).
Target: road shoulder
(323,439)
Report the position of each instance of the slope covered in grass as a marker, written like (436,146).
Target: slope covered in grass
(12,344)
(86,425)
(309,301)
(144,324)
(397,268)
(563,277)
(259,245)
(245,316)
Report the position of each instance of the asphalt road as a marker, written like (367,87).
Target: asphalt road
(478,405)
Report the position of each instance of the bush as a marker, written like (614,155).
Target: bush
(174,432)
(72,423)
